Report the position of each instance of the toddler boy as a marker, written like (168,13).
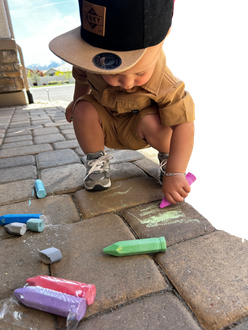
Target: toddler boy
(125,96)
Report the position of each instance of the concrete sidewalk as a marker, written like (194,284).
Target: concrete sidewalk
(200,282)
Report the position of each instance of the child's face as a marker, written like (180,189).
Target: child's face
(139,74)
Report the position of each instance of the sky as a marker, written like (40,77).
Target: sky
(37,22)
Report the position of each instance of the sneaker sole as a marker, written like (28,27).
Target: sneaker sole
(97,187)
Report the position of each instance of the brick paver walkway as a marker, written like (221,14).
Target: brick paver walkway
(200,282)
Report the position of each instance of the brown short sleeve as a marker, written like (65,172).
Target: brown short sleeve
(177,107)
(79,75)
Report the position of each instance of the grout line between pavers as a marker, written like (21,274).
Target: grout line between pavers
(5,133)
(192,238)
(236,324)
(77,207)
(128,225)
(176,294)
(148,174)
(111,309)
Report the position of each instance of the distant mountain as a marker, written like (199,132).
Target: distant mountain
(46,65)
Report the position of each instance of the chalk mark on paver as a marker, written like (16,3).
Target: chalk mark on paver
(105,206)
(117,193)
(121,192)
(161,218)
(29,200)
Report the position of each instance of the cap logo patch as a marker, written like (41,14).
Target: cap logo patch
(107,61)
(94,18)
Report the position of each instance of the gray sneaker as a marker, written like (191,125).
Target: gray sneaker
(98,171)
(163,158)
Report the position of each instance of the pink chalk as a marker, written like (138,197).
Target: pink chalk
(190,178)
(79,289)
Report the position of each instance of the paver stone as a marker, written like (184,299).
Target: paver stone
(16,191)
(125,171)
(57,123)
(20,132)
(56,158)
(210,273)
(49,138)
(63,179)
(70,136)
(66,144)
(68,131)
(41,121)
(28,150)
(120,195)
(43,131)
(18,173)
(149,165)
(18,138)
(21,123)
(17,144)
(25,128)
(17,161)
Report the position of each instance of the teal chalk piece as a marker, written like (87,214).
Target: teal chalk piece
(40,189)
(23,218)
(35,225)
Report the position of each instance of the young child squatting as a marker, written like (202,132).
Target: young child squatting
(125,96)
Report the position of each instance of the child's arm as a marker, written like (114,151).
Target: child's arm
(176,188)
(80,90)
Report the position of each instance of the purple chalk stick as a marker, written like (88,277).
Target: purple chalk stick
(51,301)
(190,178)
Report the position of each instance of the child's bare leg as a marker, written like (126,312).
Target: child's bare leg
(158,136)
(87,126)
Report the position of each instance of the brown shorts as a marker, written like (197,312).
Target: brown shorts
(121,132)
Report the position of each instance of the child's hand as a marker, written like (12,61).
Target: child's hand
(68,112)
(175,188)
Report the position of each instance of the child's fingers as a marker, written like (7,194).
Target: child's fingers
(187,187)
(68,118)
(183,193)
(174,197)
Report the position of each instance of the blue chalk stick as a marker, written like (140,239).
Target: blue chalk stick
(40,189)
(23,218)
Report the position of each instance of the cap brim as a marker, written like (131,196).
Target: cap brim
(73,49)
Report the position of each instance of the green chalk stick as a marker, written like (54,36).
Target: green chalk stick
(35,224)
(136,246)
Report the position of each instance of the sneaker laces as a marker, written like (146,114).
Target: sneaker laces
(163,163)
(98,164)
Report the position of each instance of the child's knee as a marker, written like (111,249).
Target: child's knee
(149,122)
(152,120)
(85,111)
